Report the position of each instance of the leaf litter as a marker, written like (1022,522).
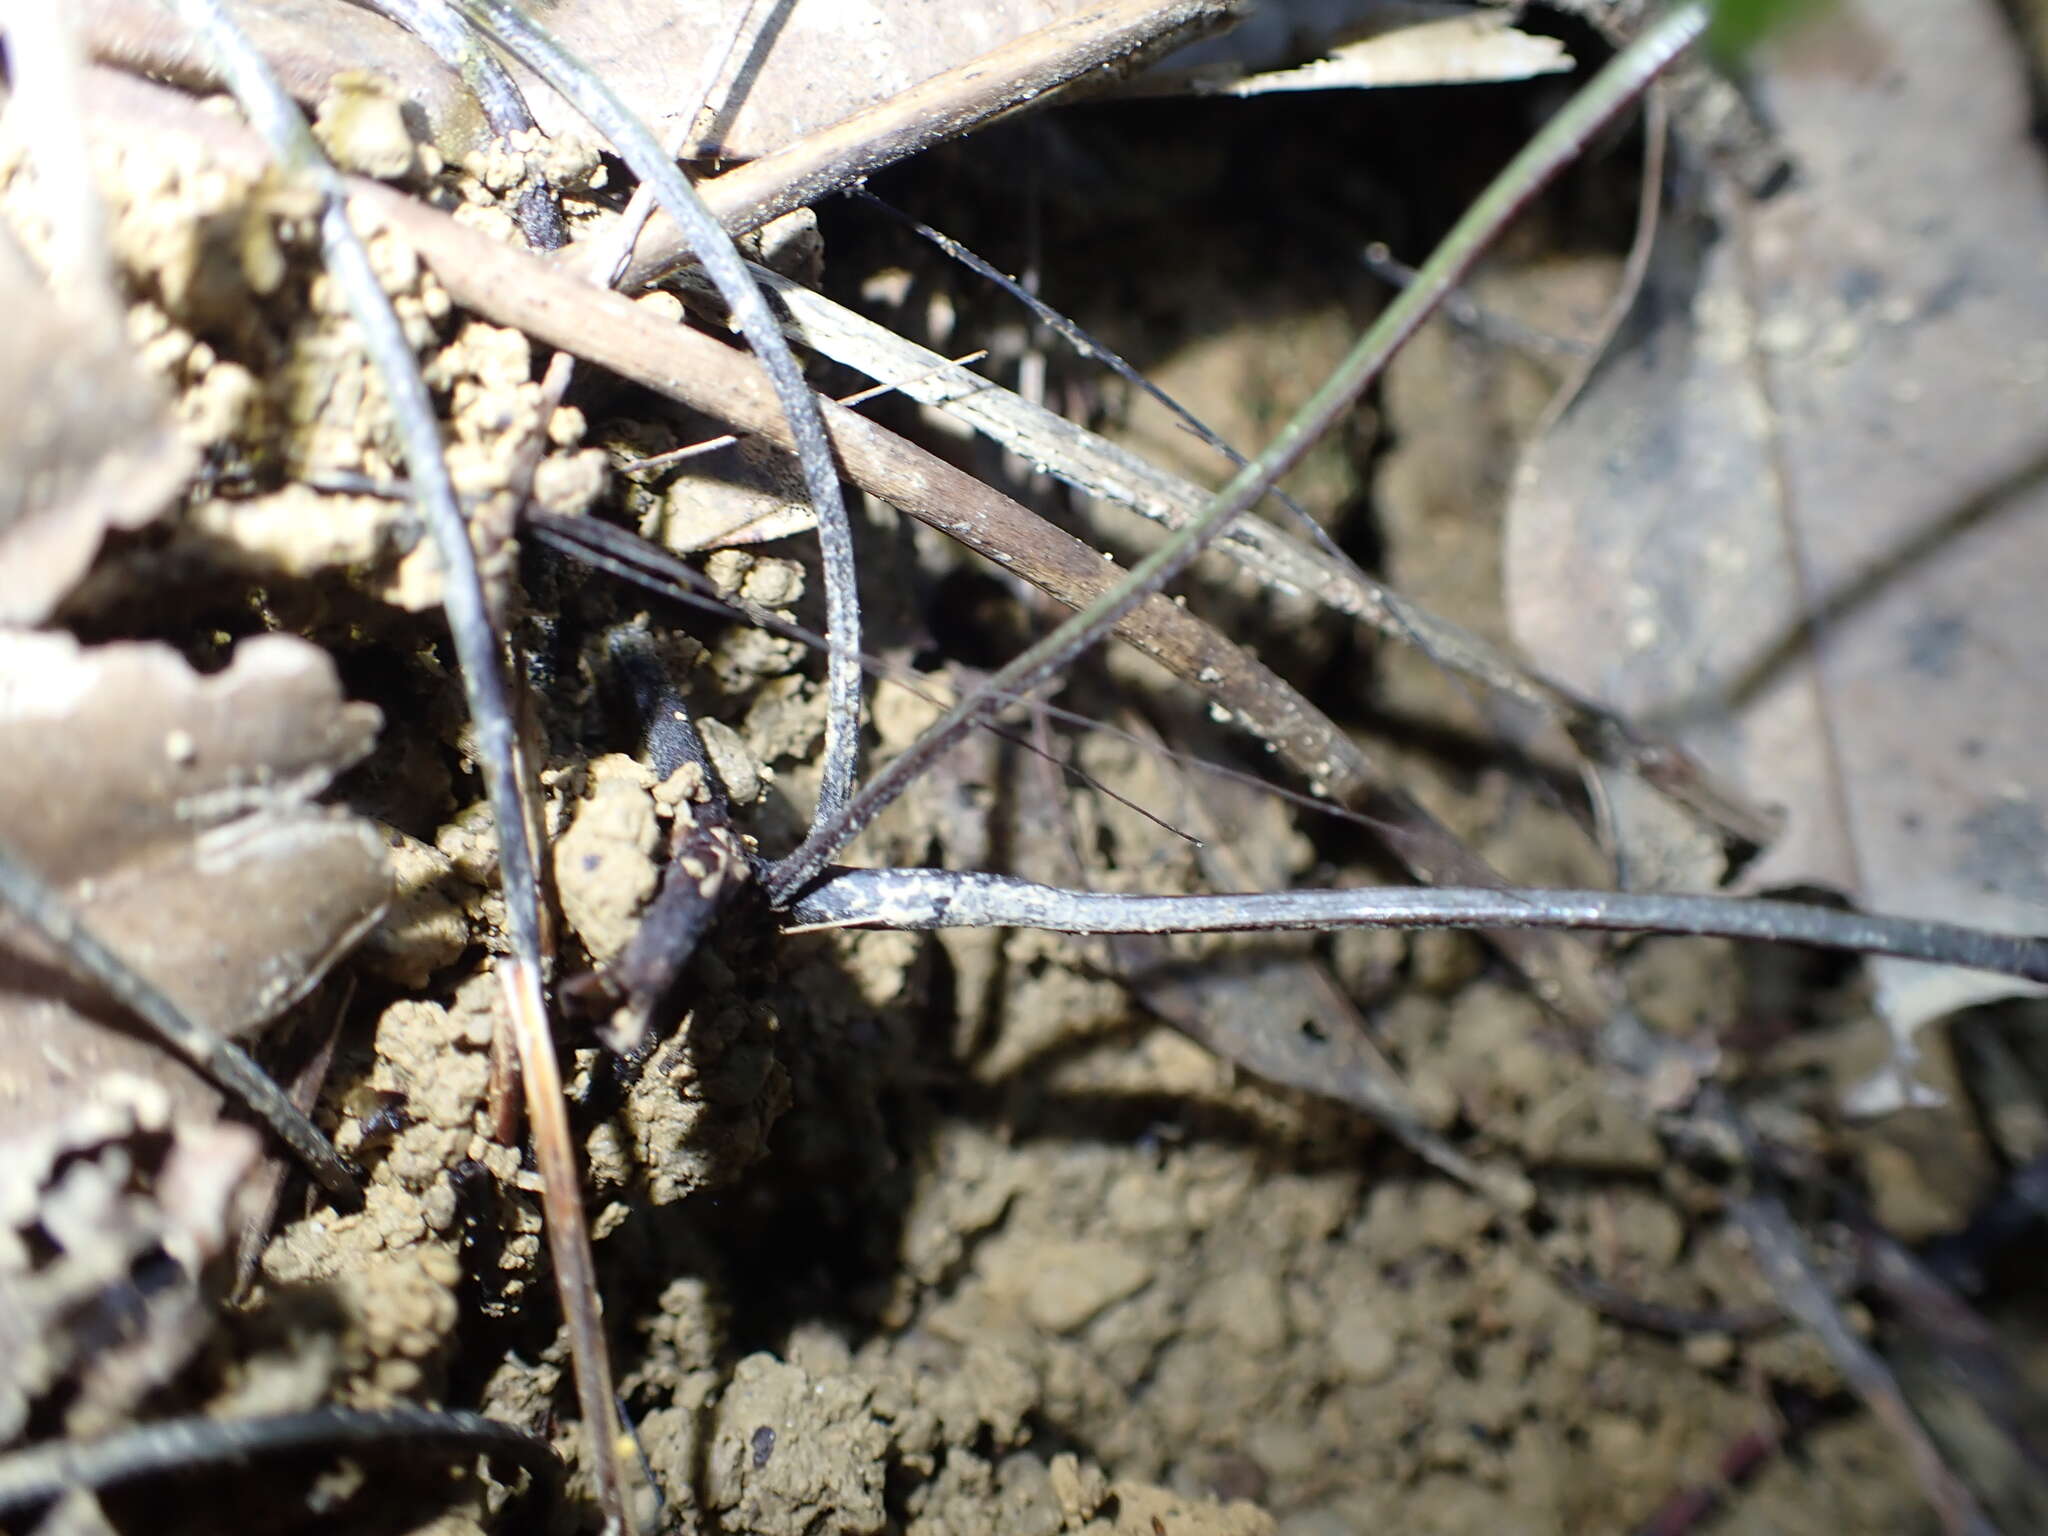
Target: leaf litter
(1806,492)
(918,1286)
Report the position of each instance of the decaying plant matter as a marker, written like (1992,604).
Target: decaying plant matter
(176,888)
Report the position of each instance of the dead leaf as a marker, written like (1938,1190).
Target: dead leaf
(86,439)
(309,43)
(174,811)
(792,69)
(86,443)
(1800,521)
(110,1215)
(796,68)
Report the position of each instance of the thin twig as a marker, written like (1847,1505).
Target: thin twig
(44,908)
(1781,1254)
(554,1154)
(278,121)
(721,261)
(37,1474)
(1685,1510)
(928,898)
(1461,309)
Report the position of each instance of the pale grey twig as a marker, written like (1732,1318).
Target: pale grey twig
(930,898)
(721,260)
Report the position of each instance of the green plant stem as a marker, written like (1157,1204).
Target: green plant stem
(1555,145)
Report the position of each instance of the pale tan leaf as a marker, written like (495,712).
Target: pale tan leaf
(1402,42)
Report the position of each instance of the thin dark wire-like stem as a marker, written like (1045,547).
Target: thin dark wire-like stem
(435,23)
(278,121)
(933,898)
(1088,346)
(592,97)
(280,124)
(1558,142)
(44,908)
(38,1474)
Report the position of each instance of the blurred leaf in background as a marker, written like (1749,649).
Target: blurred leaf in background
(1738,25)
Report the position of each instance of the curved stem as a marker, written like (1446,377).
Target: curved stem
(721,260)
(38,1474)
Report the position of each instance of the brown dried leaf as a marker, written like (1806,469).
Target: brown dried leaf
(793,68)
(309,43)
(173,809)
(797,68)
(86,439)
(1800,522)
